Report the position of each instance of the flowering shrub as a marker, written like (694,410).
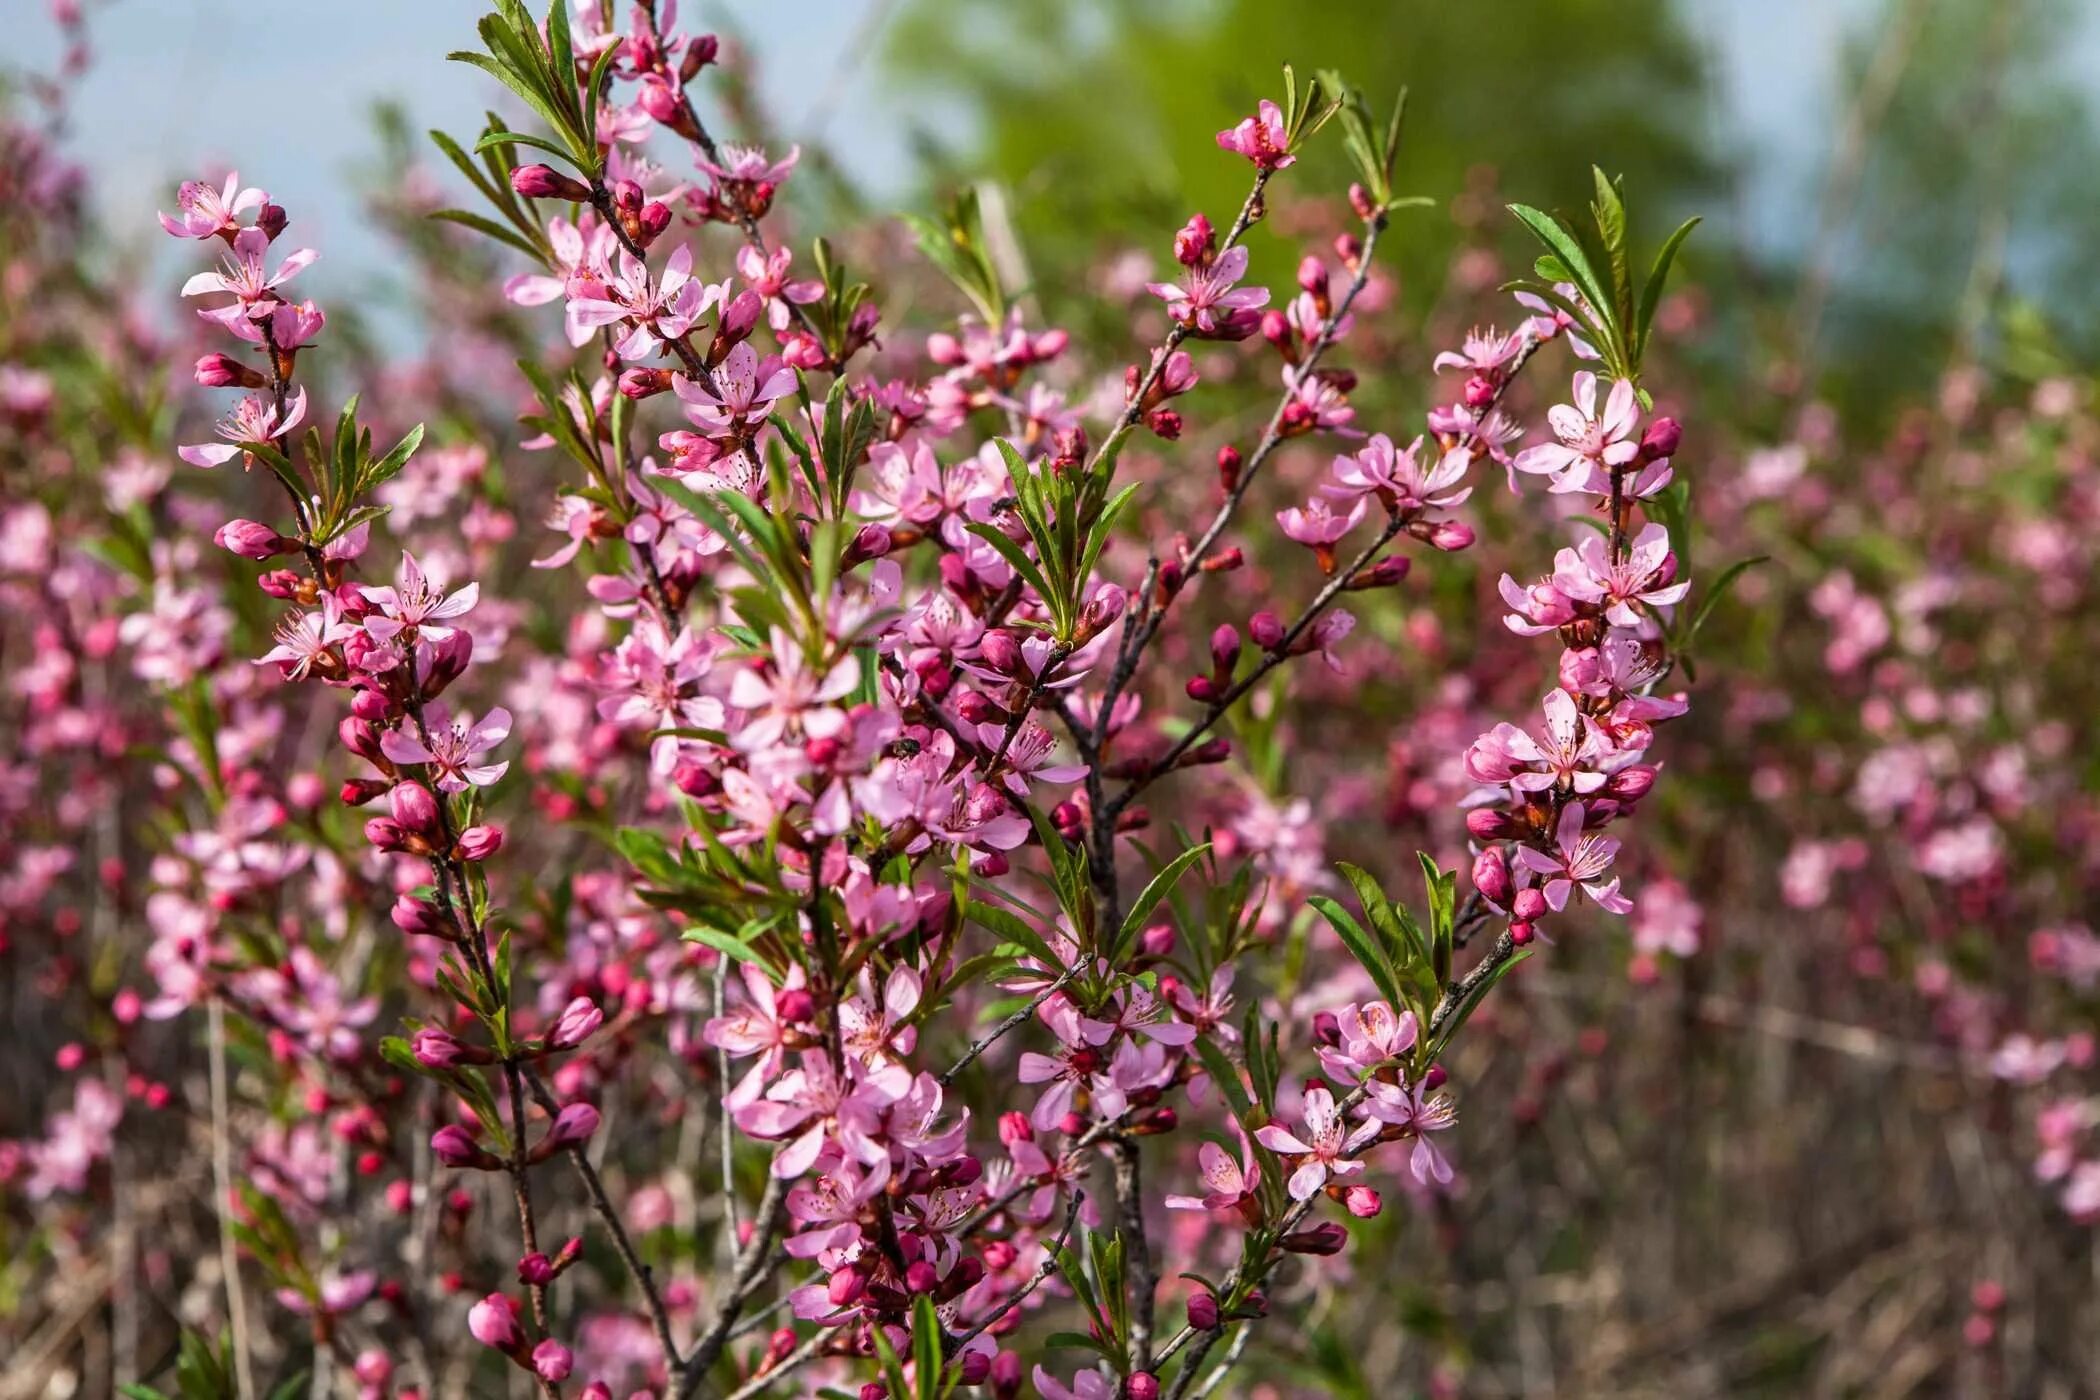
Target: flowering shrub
(816,930)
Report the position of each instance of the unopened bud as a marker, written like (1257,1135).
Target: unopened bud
(545,182)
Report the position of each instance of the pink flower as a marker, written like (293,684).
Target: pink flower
(254,419)
(1398,479)
(452,748)
(1643,576)
(308,639)
(656,313)
(1371,1036)
(1097,1384)
(1232,1183)
(1261,138)
(748,389)
(1590,443)
(416,605)
(243,275)
(1324,1147)
(766,274)
(1580,858)
(1411,1110)
(1552,321)
(1565,753)
(1209,301)
(1486,353)
(209,212)
(1316,524)
(1536,610)
(791,693)
(748,165)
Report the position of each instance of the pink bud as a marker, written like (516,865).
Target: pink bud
(1633,783)
(1661,440)
(1014,1127)
(535,1270)
(1195,242)
(455,1147)
(251,539)
(545,182)
(794,1005)
(1450,536)
(494,1323)
(573,1125)
(1203,1312)
(641,382)
(1362,1202)
(1266,629)
(1529,904)
(1142,1385)
(1325,1238)
(1157,941)
(1491,876)
(845,1287)
(418,916)
(578,1020)
(1479,392)
(435,1049)
(1487,824)
(217,371)
(660,101)
(551,1361)
(741,316)
(921,1277)
(1001,652)
(478,843)
(414,808)
(1312,275)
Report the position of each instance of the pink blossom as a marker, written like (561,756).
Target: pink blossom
(253,419)
(1590,443)
(1643,575)
(1209,300)
(748,165)
(1580,858)
(748,388)
(209,211)
(452,747)
(1261,138)
(767,275)
(1398,479)
(244,277)
(1325,1147)
(654,312)
(1418,1114)
(1231,1182)
(416,606)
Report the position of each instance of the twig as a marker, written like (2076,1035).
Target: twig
(999,1032)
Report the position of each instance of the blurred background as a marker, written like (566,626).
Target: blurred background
(1819,1120)
(1873,173)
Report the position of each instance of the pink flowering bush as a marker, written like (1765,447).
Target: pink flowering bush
(696,840)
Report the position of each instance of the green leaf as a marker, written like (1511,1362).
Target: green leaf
(1157,889)
(1716,593)
(1363,947)
(1013,554)
(1651,293)
(1225,1075)
(926,1347)
(1549,231)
